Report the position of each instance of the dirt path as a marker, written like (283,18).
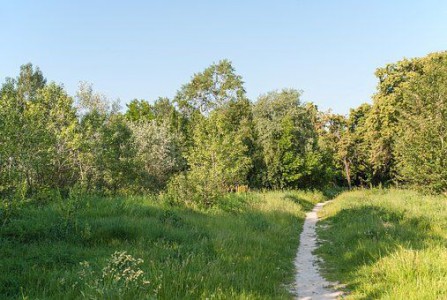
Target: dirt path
(308,281)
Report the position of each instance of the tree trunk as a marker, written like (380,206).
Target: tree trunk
(347,172)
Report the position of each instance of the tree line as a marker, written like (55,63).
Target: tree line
(210,138)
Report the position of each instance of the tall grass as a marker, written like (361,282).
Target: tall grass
(386,244)
(91,247)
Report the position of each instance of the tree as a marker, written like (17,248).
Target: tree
(218,130)
(216,86)
(382,121)
(287,135)
(54,137)
(16,133)
(157,154)
(162,111)
(421,148)
(138,110)
(106,153)
(353,148)
(332,129)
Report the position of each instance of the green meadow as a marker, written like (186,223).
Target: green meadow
(386,244)
(242,248)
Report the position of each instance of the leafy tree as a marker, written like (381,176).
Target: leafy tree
(358,144)
(382,121)
(421,148)
(162,111)
(216,86)
(106,153)
(28,83)
(54,136)
(288,138)
(138,110)
(219,129)
(332,129)
(157,154)
(16,133)
(117,160)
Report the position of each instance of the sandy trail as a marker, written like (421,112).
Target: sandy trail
(308,281)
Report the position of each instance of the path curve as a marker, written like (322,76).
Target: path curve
(308,281)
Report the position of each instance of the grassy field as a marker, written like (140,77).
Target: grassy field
(91,247)
(386,244)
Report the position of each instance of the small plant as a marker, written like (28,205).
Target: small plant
(121,277)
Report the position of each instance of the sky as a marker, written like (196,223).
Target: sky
(148,49)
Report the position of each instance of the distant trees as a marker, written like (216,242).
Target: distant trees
(105,153)
(210,138)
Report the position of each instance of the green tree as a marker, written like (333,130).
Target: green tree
(219,130)
(17,132)
(333,144)
(383,120)
(106,159)
(138,110)
(421,149)
(288,137)
(158,156)
(53,138)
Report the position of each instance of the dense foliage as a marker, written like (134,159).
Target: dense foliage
(210,138)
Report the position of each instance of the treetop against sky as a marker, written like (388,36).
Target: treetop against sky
(141,49)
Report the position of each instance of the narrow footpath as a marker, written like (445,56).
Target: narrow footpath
(309,283)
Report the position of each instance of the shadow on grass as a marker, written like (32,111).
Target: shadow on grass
(331,193)
(305,204)
(356,237)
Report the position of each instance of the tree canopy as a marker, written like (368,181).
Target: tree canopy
(210,138)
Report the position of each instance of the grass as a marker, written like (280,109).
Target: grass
(89,247)
(386,244)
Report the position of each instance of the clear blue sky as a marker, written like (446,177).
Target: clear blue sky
(146,49)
